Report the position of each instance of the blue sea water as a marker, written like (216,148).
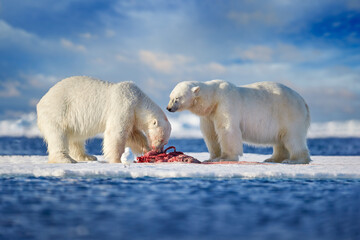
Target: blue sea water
(153,208)
(318,146)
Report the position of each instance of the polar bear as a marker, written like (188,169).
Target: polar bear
(78,108)
(264,113)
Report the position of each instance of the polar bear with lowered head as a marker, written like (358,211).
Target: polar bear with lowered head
(264,113)
(78,108)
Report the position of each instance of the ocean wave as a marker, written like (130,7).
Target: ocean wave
(184,125)
(349,128)
(24,126)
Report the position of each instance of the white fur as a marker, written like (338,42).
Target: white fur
(78,108)
(263,113)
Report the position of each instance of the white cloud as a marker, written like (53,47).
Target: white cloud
(156,61)
(72,46)
(215,67)
(110,33)
(162,62)
(179,65)
(39,80)
(11,36)
(257,53)
(353,5)
(9,89)
(124,59)
(33,102)
(98,61)
(86,35)
(283,52)
(7,32)
(155,87)
(255,17)
(257,72)
(208,69)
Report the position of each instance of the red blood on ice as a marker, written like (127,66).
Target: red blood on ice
(156,157)
(161,157)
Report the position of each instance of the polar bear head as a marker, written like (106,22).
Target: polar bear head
(158,132)
(182,96)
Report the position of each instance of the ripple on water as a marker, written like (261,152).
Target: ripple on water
(92,208)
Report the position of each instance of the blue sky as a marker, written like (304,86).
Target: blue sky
(311,46)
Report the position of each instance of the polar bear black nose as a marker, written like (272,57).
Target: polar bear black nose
(168,108)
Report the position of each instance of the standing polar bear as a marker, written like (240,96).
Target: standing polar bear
(263,113)
(78,108)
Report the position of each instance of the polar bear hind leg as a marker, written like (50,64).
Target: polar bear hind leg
(299,153)
(77,151)
(280,153)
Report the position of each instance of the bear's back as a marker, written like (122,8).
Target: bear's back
(75,103)
(75,87)
(128,90)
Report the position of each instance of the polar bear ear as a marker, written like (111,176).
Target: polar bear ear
(195,90)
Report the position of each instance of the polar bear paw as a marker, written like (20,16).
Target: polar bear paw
(87,158)
(223,160)
(296,161)
(213,160)
(273,160)
(62,160)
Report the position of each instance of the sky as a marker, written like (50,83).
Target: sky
(310,46)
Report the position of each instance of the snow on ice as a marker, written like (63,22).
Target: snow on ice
(322,167)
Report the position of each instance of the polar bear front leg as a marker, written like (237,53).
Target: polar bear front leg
(138,142)
(58,147)
(210,137)
(230,139)
(114,144)
(77,151)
